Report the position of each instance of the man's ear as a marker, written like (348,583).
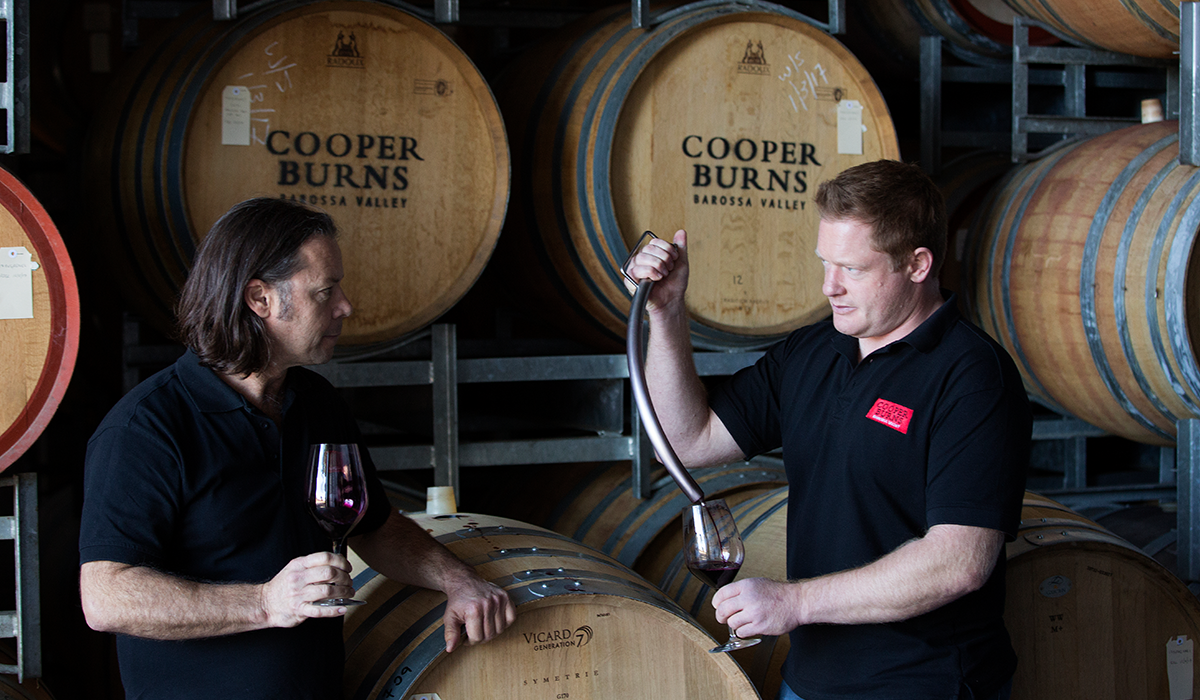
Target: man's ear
(257,296)
(920,265)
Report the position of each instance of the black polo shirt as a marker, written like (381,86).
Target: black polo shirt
(185,476)
(931,429)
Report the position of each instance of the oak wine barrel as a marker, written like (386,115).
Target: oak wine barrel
(977,31)
(716,119)
(1084,267)
(647,536)
(1090,615)
(39,319)
(587,627)
(1139,27)
(356,107)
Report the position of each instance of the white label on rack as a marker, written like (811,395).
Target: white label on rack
(425,696)
(16,283)
(850,128)
(1179,667)
(235,116)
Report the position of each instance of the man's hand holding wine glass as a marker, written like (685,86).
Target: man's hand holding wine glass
(287,599)
(758,606)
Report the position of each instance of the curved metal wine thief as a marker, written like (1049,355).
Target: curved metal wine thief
(641,395)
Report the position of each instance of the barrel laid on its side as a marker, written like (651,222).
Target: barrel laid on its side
(977,31)
(1090,615)
(762,523)
(1084,267)
(717,119)
(587,628)
(1140,27)
(39,319)
(356,107)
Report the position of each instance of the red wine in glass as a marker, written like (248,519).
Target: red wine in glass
(714,573)
(337,497)
(714,552)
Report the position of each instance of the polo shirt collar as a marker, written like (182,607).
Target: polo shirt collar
(210,394)
(924,338)
(927,335)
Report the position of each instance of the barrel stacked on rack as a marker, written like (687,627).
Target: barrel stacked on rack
(1139,27)
(1084,266)
(356,107)
(39,319)
(716,120)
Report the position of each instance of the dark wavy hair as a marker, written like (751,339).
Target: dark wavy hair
(256,239)
(901,204)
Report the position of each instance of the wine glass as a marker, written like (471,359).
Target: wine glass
(337,497)
(714,552)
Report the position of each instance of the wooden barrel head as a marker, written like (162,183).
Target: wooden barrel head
(39,329)
(729,139)
(587,627)
(717,120)
(355,107)
(1090,615)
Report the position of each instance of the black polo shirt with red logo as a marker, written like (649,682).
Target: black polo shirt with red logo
(931,429)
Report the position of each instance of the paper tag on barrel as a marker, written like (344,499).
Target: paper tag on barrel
(235,116)
(16,283)
(1179,667)
(850,127)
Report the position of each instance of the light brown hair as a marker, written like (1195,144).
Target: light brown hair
(901,204)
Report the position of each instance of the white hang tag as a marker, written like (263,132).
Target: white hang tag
(16,283)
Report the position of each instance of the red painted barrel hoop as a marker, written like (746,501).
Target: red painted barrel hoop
(51,255)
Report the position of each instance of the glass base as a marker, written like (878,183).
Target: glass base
(734,643)
(338,602)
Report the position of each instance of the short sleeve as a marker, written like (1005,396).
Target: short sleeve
(748,403)
(978,453)
(130,502)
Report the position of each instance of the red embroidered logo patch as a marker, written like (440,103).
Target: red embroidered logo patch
(893,415)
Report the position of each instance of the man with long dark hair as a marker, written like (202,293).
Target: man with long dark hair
(197,548)
(905,433)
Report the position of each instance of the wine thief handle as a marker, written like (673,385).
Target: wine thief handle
(637,379)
